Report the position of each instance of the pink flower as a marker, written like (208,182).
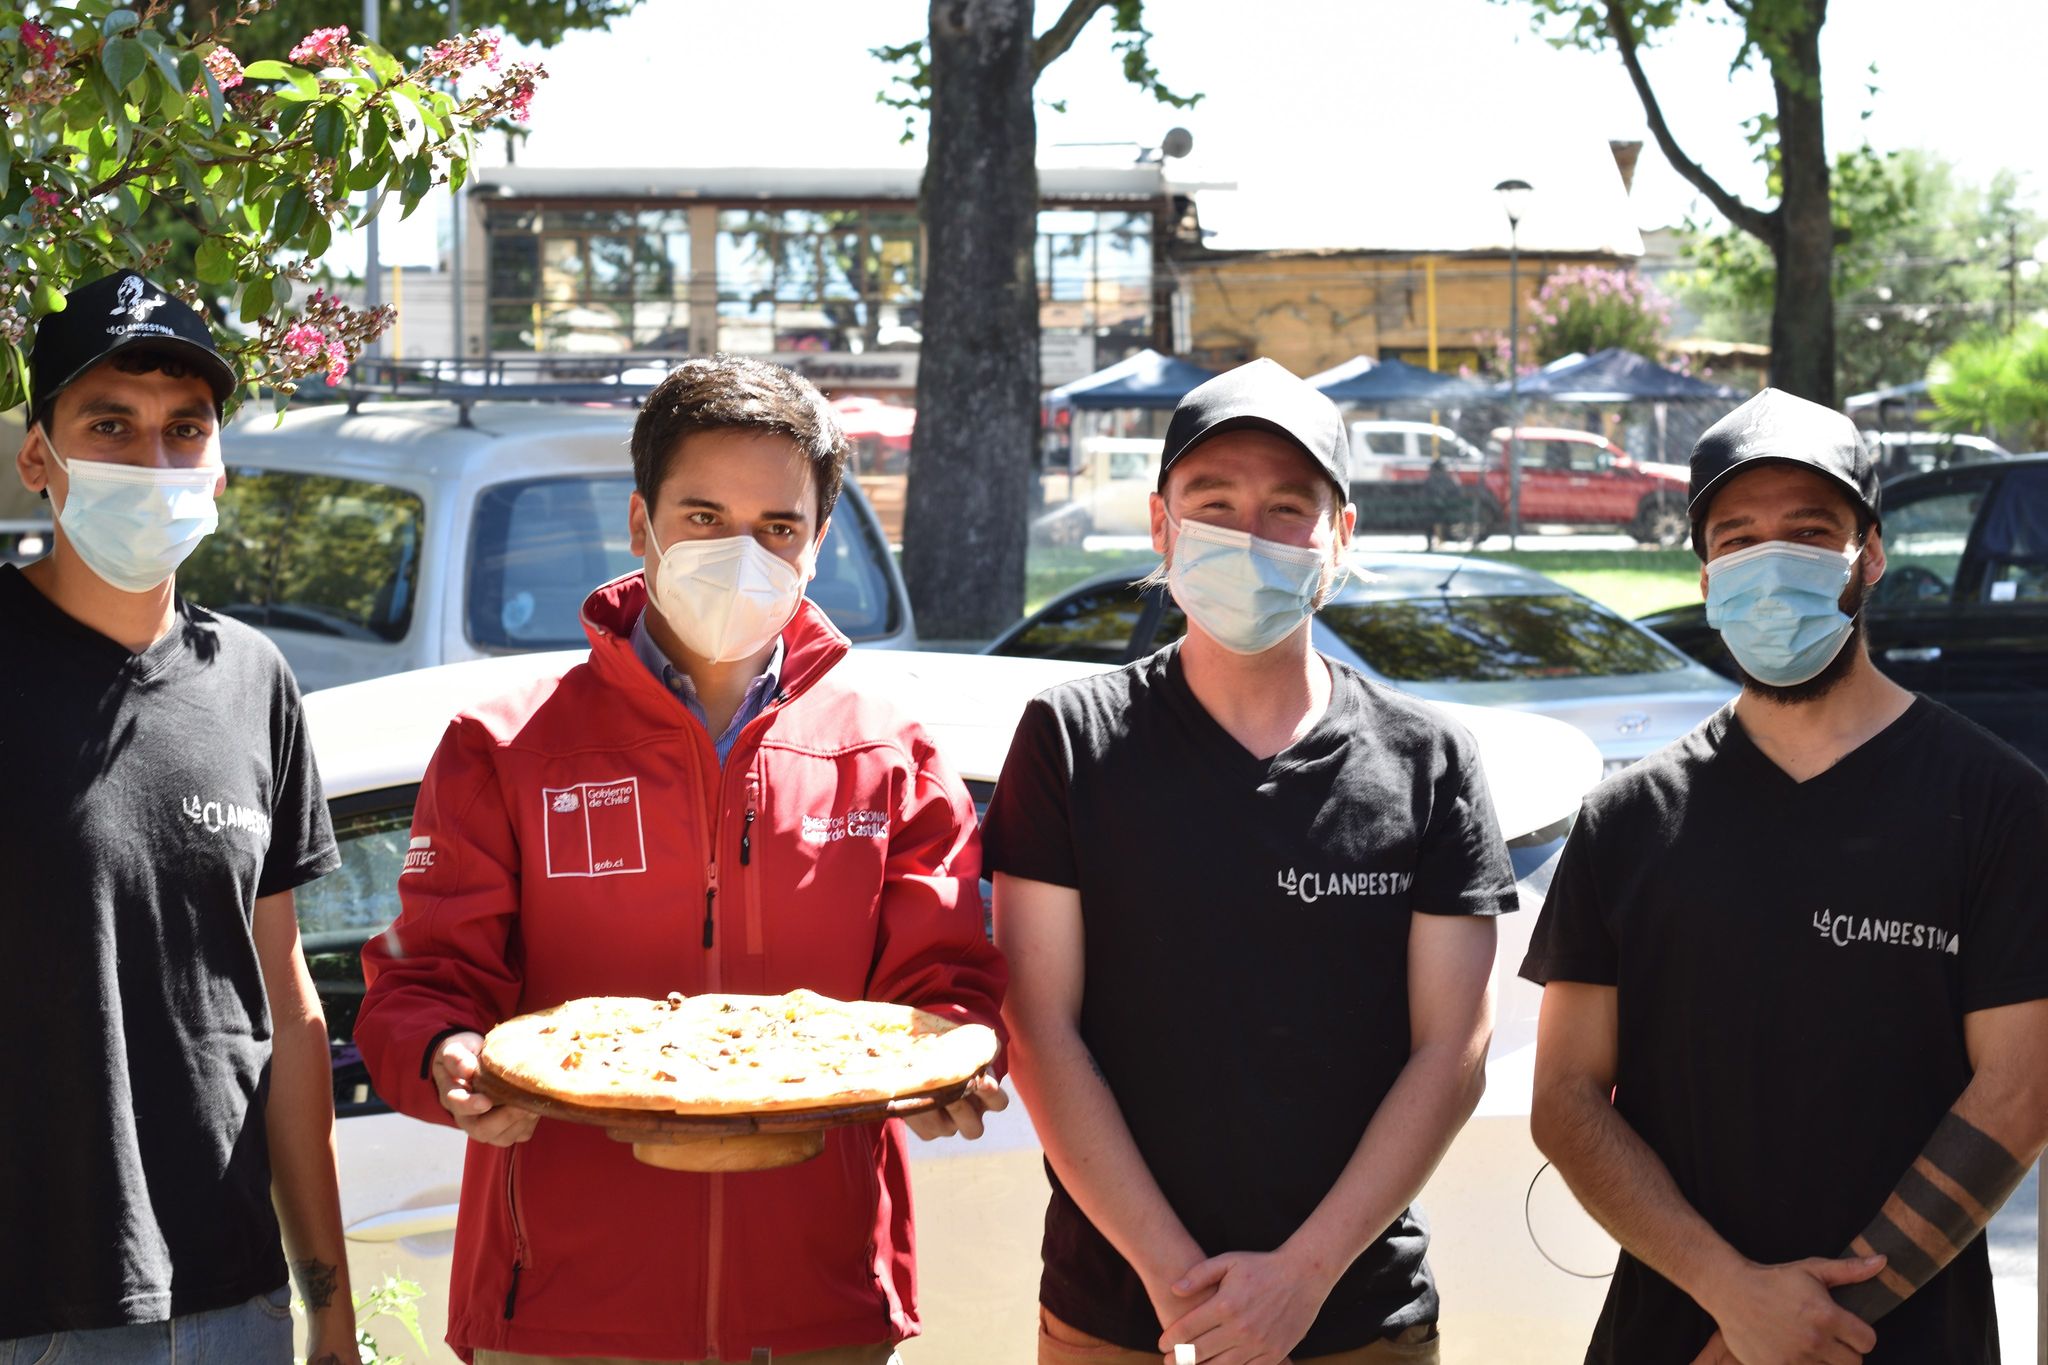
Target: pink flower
(47,198)
(337,362)
(226,68)
(322,47)
(306,341)
(41,44)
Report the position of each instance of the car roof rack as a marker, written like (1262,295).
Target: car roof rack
(623,381)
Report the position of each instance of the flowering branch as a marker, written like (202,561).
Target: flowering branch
(105,111)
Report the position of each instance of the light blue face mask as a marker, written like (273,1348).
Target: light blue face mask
(1778,608)
(134,526)
(1247,594)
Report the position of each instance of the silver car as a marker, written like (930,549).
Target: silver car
(1444,627)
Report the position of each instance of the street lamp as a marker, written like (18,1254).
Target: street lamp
(1512,194)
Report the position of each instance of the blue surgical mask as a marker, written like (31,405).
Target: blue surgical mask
(1778,608)
(1245,593)
(133,526)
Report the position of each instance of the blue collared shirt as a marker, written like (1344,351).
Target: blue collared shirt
(759,691)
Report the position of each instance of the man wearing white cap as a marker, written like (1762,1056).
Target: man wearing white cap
(1247,898)
(1795,966)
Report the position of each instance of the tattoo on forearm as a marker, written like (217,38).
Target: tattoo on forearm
(316,1283)
(1094,1065)
(1939,1207)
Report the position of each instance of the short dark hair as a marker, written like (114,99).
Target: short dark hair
(736,393)
(128,360)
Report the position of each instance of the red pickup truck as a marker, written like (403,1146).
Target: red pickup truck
(1569,478)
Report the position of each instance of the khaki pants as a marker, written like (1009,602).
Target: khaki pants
(834,1355)
(1059,1344)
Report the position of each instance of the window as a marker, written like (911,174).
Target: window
(1095,278)
(2015,539)
(1495,639)
(1923,545)
(1089,627)
(341,912)
(538,549)
(819,280)
(312,553)
(541,545)
(591,281)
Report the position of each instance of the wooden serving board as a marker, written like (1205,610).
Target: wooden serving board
(722,1142)
(500,1089)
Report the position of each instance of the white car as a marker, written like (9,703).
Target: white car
(1442,627)
(980,1205)
(1379,446)
(404,534)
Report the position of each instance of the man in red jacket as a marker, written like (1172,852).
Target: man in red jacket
(698,807)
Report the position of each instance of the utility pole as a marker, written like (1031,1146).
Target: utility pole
(373,283)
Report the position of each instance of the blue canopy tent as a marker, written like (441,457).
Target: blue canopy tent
(1616,376)
(1144,380)
(1363,381)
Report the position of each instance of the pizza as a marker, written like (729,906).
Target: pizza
(732,1054)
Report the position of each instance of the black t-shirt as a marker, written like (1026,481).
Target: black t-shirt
(149,800)
(1793,961)
(1246,930)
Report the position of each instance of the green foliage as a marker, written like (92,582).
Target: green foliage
(1767,27)
(1996,385)
(910,85)
(111,111)
(396,1300)
(1920,261)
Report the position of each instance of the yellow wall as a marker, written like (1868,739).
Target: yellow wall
(1310,312)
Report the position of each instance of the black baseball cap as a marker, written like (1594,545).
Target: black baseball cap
(1775,425)
(121,312)
(1262,396)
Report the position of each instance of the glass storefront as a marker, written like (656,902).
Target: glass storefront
(848,280)
(590,281)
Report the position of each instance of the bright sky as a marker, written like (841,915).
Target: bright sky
(1306,91)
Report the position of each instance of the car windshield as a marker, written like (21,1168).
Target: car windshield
(1495,639)
(541,545)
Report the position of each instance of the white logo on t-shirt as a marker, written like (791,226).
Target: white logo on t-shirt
(217,816)
(419,856)
(1310,887)
(1843,930)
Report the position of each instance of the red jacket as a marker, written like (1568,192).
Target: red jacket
(579,838)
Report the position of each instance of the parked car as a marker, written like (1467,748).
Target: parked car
(1442,627)
(1107,491)
(1568,478)
(1576,478)
(1380,445)
(406,534)
(979,1204)
(1918,452)
(1961,613)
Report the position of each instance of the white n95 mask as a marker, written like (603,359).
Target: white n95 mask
(134,526)
(1245,593)
(725,599)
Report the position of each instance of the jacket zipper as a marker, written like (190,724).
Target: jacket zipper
(750,886)
(518,1232)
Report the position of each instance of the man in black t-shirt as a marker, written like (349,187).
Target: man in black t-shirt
(1276,880)
(169,1100)
(1795,966)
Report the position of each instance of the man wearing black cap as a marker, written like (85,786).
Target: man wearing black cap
(169,1102)
(1795,966)
(1276,881)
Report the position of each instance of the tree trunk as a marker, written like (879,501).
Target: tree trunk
(1803,308)
(964,527)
